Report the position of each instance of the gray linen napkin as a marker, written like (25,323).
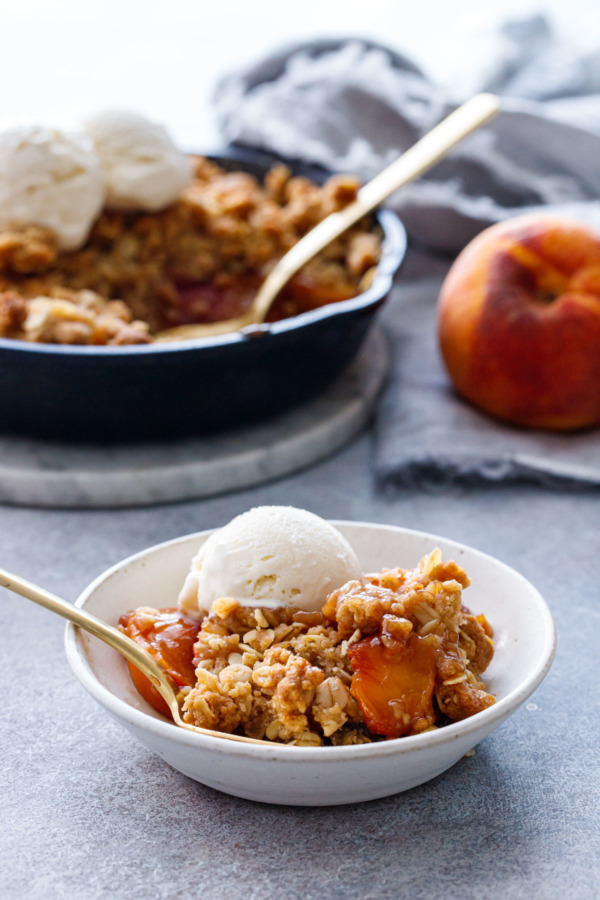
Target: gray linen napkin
(353,105)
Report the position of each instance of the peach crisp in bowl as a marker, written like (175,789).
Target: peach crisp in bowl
(346,652)
(110,235)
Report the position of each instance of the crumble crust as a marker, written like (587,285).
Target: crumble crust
(136,273)
(289,676)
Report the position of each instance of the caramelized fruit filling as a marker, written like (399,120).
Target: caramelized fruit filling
(394,686)
(169,636)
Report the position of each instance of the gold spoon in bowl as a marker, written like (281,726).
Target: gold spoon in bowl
(414,162)
(142,660)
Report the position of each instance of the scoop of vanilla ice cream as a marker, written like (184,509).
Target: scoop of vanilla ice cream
(143,169)
(51,177)
(270,556)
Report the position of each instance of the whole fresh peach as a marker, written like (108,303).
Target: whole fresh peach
(519,322)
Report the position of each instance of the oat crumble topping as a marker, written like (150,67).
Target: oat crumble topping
(201,259)
(396,655)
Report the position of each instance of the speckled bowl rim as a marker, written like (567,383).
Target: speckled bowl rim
(483,721)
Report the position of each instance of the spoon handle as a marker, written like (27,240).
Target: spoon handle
(112,636)
(118,641)
(413,162)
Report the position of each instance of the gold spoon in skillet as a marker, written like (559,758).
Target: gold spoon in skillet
(143,661)
(414,162)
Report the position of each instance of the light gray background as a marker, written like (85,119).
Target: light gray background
(68,57)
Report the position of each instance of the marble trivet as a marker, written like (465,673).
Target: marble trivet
(48,474)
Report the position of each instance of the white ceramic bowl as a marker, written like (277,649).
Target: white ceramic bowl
(304,776)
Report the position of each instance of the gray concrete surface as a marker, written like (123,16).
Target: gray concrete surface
(89,813)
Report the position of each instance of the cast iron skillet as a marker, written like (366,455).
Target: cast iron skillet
(162,391)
